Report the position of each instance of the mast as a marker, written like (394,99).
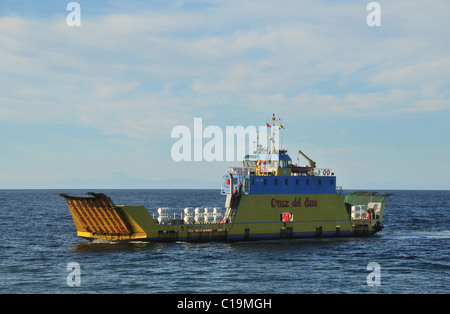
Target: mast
(272,138)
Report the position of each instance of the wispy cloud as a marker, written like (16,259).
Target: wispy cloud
(319,57)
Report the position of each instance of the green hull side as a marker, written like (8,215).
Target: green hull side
(257,217)
(263,214)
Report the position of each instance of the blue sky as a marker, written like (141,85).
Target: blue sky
(94,106)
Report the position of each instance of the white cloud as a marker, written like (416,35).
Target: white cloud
(113,89)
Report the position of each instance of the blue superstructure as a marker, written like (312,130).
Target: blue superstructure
(275,174)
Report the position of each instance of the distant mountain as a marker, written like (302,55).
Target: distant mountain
(119,180)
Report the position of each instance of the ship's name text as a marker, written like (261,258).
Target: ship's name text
(297,202)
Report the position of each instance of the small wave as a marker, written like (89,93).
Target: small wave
(423,235)
(101,241)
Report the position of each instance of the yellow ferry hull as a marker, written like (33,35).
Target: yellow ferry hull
(257,217)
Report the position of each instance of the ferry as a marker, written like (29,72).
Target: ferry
(269,197)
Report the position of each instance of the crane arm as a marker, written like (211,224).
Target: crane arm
(312,164)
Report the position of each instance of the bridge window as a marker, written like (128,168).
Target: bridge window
(276,181)
(249,163)
(287,181)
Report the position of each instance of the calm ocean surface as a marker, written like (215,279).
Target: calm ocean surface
(38,241)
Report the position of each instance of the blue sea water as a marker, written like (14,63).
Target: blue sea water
(38,241)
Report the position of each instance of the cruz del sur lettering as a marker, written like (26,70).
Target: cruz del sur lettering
(297,202)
